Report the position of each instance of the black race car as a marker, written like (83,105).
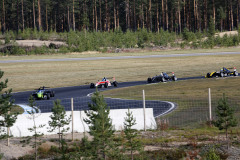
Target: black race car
(43,93)
(163,77)
(224,72)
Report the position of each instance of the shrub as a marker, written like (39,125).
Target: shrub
(63,49)
(25,34)
(182,45)
(199,35)
(129,39)
(163,38)
(195,45)
(188,36)
(18,51)
(235,40)
(44,35)
(143,37)
(7,38)
(117,39)
(212,155)
(41,50)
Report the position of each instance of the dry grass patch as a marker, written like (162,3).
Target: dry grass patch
(187,89)
(136,53)
(27,76)
(190,96)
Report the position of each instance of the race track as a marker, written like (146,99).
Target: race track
(80,93)
(81,97)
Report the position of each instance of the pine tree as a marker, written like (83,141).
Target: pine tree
(225,116)
(59,120)
(33,113)
(100,126)
(132,143)
(6,105)
(211,29)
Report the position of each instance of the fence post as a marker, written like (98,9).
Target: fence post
(210,104)
(72,117)
(8,133)
(144,114)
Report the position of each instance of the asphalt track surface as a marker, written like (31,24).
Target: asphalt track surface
(81,98)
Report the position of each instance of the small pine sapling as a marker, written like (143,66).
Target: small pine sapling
(34,112)
(6,105)
(132,143)
(100,126)
(59,121)
(225,115)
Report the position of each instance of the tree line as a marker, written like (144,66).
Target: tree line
(106,15)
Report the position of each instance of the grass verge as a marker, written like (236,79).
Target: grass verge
(191,97)
(127,53)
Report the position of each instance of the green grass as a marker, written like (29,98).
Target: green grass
(190,96)
(184,89)
(17,109)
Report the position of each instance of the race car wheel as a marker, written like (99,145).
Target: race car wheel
(163,79)
(48,96)
(174,78)
(115,84)
(221,74)
(235,73)
(106,85)
(149,80)
(91,85)
(52,94)
(45,97)
(208,75)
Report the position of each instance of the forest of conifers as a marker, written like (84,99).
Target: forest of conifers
(106,15)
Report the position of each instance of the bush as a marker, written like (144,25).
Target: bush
(195,45)
(41,50)
(63,49)
(25,34)
(212,155)
(129,39)
(188,36)
(117,38)
(163,38)
(7,38)
(235,40)
(143,37)
(18,51)
(199,35)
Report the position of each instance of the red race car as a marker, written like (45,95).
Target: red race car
(104,83)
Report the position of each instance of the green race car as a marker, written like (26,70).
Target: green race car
(43,93)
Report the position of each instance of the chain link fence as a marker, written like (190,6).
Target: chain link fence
(178,111)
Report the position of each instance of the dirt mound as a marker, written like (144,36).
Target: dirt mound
(38,43)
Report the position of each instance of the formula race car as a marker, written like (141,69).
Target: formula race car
(224,72)
(104,83)
(163,77)
(43,93)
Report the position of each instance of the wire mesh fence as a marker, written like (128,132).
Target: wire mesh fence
(178,111)
(195,112)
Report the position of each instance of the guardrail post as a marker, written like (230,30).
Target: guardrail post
(144,114)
